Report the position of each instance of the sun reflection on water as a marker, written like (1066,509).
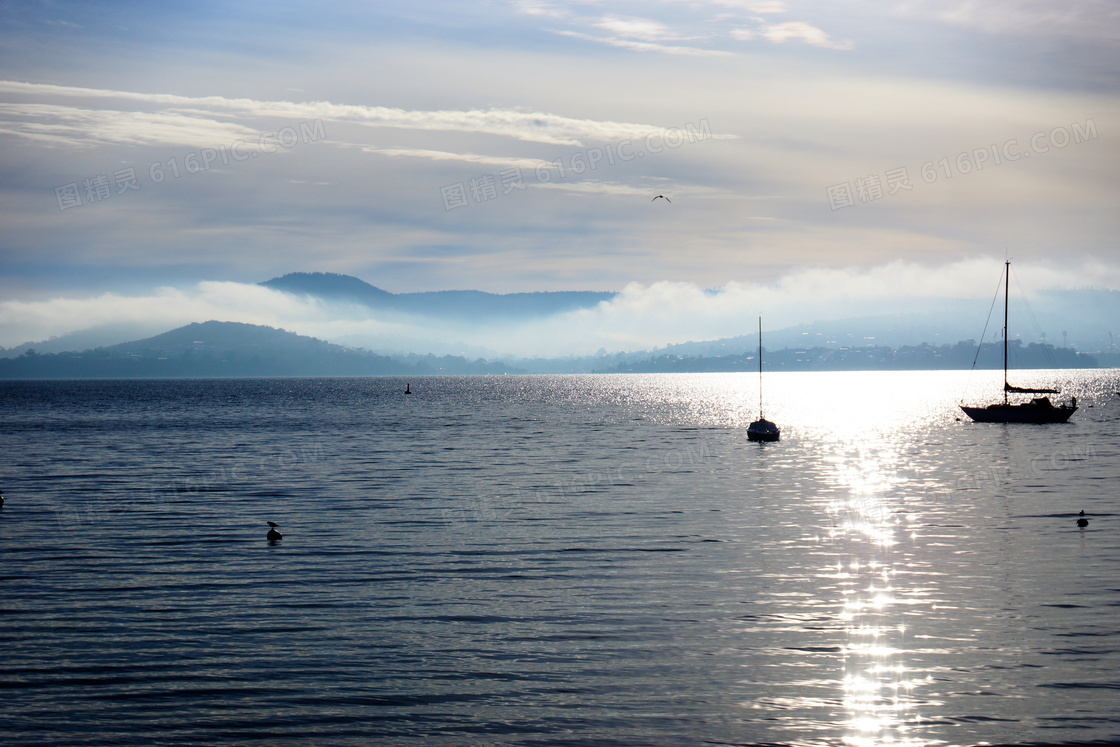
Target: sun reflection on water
(878,698)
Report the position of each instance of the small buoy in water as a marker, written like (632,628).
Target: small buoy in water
(1082,521)
(273,535)
(407,389)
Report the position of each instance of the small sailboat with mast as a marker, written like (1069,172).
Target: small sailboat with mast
(1038,410)
(762,429)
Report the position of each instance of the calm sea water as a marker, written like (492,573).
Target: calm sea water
(557,560)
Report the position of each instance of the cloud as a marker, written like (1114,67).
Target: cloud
(614,188)
(635,28)
(782,32)
(75,126)
(442,155)
(695,23)
(607,188)
(528,126)
(641,46)
(164,308)
(536,8)
(647,316)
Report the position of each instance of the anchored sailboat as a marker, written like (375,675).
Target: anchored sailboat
(762,429)
(1038,410)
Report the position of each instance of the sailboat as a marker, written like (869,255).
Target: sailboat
(1038,410)
(762,429)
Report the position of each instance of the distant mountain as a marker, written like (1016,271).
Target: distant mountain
(333,286)
(229,338)
(231,349)
(457,304)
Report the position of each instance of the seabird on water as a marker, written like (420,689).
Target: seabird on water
(1082,521)
(273,535)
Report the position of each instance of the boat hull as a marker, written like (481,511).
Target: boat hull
(763,430)
(1024,413)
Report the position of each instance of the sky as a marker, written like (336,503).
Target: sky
(819,159)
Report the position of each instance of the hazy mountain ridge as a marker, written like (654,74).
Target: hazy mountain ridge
(84,339)
(459,303)
(442,322)
(959,356)
(232,349)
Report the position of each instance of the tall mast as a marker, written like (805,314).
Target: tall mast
(1006,285)
(760,367)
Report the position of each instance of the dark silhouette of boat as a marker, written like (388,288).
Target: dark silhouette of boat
(762,429)
(1038,410)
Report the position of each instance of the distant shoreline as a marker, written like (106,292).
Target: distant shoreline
(234,350)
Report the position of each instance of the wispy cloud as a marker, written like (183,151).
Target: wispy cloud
(643,46)
(597,188)
(782,32)
(74,126)
(538,8)
(442,155)
(694,30)
(529,126)
(644,29)
(629,190)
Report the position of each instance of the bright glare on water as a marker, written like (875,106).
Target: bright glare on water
(558,560)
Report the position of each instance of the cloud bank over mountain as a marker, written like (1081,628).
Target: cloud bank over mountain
(912,301)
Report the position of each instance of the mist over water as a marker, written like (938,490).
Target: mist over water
(557,560)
